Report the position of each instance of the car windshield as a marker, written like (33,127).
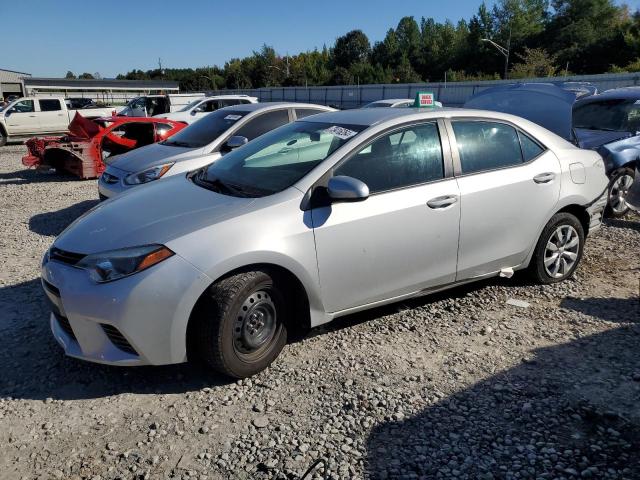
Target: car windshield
(620,115)
(276,160)
(190,106)
(206,130)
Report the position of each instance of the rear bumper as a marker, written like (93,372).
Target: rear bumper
(596,212)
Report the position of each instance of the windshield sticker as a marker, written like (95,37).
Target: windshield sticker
(233,117)
(637,102)
(340,132)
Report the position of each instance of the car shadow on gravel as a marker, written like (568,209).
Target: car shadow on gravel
(30,175)
(567,411)
(53,223)
(630,223)
(33,365)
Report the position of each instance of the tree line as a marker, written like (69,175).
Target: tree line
(544,38)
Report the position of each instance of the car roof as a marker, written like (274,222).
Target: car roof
(254,107)
(374,116)
(625,93)
(394,100)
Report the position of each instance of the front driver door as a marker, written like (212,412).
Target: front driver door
(22,119)
(404,237)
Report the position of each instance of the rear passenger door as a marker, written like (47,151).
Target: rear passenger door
(509,184)
(52,117)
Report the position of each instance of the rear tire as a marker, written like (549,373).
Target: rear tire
(241,324)
(559,249)
(617,191)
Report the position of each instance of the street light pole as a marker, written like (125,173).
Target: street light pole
(503,51)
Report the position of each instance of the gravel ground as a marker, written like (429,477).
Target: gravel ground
(456,385)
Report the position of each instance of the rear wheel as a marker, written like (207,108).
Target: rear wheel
(619,186)
(241,325)
(559,249)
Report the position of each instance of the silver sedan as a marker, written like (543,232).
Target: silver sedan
(329,215)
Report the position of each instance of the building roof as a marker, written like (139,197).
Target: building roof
(11,76)
(95,84)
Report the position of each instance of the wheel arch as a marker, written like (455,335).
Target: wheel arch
(302,309)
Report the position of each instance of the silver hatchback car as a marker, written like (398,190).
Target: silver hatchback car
(322,217)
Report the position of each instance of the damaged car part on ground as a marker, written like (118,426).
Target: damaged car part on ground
(200,143)
(608,123)
(87,148)
(329,215)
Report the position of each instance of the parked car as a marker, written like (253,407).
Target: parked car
(201,107)
(329,215)
(608,123)
(30,116)
(199,144)
(395,103)
(90,143)
(78,103)
(150,105)
(633,195)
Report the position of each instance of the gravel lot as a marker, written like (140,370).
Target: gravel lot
(456,385)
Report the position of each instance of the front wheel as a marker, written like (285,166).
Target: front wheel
(241,324)
(559,249)
(619,186)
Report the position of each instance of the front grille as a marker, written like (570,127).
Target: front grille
(108,178)
(70,258)
(118,339)
(65,325)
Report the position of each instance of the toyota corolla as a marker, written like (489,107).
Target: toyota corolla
(322,217)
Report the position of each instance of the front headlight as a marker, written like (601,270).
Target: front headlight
(148,175)
(112,265)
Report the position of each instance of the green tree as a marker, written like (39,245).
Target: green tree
(534,62)
(86,76)
(70,74)
(351,48)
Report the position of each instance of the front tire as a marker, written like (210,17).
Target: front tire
(619,186)
(559,249)
(241,324)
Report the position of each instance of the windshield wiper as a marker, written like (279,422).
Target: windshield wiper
(218,185)
(177,143)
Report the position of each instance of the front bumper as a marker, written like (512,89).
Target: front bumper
(137,320)
(115,185)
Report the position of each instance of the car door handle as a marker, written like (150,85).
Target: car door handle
(442,202)
(32,116)
(544,177)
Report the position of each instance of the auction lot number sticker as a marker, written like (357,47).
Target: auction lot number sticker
(340,132)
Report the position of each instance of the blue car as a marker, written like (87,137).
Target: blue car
(608,123)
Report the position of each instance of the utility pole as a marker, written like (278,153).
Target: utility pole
(160,67)
(503,51)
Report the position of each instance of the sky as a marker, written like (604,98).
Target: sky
(48,37)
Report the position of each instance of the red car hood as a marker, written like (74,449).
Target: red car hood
(82,128)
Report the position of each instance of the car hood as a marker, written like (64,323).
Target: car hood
(545,104)
(152,155)
(592,139)
(155,213)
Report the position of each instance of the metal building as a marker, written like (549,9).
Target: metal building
(107,90)
(11,82)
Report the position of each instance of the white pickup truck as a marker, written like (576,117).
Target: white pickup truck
(29,116)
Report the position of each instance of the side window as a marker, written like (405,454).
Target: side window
(263,124)
(530,148)
(486,145)
(403,158)
(212,106)
(25,106)
(306,112)
(162,129)
(52,105)
(229,102)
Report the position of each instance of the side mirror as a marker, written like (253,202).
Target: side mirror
(194,111)
(347,189)
(235,142)
(9,112)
